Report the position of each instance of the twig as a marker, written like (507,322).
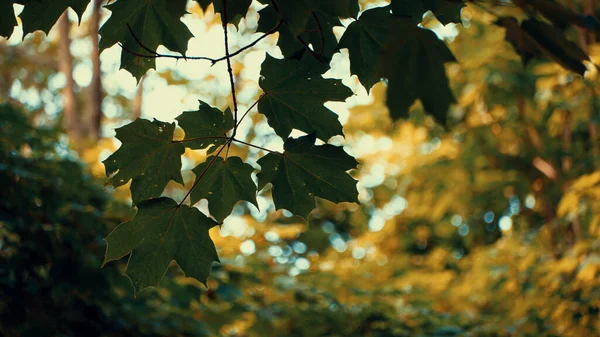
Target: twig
(252,106)
(322,35)
(312,52)
(257,147)
(230,71)
(199,138)
(205,171)
(213,61)
(251,44)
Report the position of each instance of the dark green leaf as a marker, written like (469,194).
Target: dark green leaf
(154,23)
(236,10)
(7,18)
(225,183)
(204,4)
(413,63)
(445,11)
(148,157)
(294,98)
(306,23)
(365,39)
(290,46)
(554,44)
(161,232)
(43,14)
(305,171)
(202,126)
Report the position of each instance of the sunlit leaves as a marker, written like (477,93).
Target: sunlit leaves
(153,22)
(148,157)
(43,14)
(224,183)
(365,39)
(161,232)
(414,62)
(294,98)
(305,171)
(205,127)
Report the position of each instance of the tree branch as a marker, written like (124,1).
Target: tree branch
(213,61)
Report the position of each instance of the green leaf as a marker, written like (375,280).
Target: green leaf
(236,10)
(338,8)
(224,184)
(307,23)
(148,157)
(294,98)
(413,63)
(555,45)
(365,39)
(305,171)
(445,11)
(204,4)
(43,14)
(202,126)
(154,23)
(161,232)
(7,18)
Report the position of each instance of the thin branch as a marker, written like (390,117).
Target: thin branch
(257,147)
(322,35)
(213,61)
(252,106)
(158,55)
(140,42)
(251,44)
(230,71)
(199,138)
(204,172)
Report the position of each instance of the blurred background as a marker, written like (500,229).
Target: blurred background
(490,227)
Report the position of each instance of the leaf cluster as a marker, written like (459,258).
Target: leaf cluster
(383,43)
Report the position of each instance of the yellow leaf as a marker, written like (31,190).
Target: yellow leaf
(587,273)
(568,204)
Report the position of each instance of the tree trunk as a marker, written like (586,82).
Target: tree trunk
(96,95)
(136,103)
(70,117)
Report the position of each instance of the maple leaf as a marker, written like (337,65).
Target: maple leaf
(365,39)
(305,171)
(445,11)
(236,10)
(148,157)
(161,232)
(153,22)
(43,14)
(294,98)
(205,127)
(413,62)
(306,23)
(224,184)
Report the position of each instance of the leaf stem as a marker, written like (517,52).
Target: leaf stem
(199,138)
(256,146)
(252,106)
(204,172)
